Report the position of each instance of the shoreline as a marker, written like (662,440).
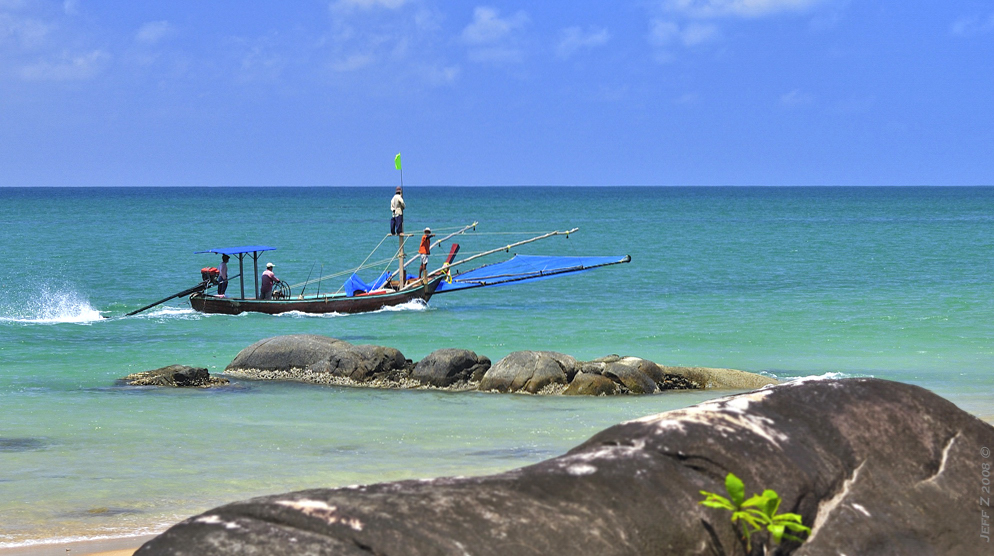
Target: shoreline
(111,546)
(127,544)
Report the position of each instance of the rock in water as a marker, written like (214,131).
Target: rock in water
(529,371)
(175,376)
(875,467)
(445,367)
(307,353)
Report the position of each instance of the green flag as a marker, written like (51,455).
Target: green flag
(396,161)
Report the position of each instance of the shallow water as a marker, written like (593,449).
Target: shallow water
(886,282)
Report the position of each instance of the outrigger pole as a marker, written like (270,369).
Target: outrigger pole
(508,247)
(198,288)
(446,238)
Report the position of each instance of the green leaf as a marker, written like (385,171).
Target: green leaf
(720,504)
(754,521)
(797,527)
(777,532)
(735,488)
(772,502)
(755,500)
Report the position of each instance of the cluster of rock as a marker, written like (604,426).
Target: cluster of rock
(873,467)
(176,376)
(319,359)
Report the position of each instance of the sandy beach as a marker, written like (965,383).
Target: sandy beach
(122,546)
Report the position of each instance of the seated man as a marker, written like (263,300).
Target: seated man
(268,279)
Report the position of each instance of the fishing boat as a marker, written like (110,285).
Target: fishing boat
(389,289)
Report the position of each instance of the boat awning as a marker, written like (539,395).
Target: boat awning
(237,250)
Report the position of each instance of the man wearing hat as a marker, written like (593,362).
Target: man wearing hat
(425,250)
(397,212)
(268,279)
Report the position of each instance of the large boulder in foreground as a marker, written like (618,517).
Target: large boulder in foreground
(875,467)
(177,376)
(320,355)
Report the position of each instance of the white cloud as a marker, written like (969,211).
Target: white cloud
(662,33)
(969,26)
(795,98)
(353,62)
(573,39)
(437,76)
(68,67)
(488,27)
(153,32)
(698,33)
(665,33)
(495,39)
(26,33)
(740,8)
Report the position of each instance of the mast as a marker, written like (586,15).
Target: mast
(402,274)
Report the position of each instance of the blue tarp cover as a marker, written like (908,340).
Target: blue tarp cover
(524,268)
(355,284)
(237,250)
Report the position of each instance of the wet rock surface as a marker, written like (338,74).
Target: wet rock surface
(177,376)
(874,467)
(446,367)
(323,360)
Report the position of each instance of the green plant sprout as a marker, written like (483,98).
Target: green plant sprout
(756,513)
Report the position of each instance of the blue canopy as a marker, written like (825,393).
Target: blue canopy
(524,268)
(237,250)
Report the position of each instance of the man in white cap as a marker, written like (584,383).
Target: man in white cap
(425,250)
(268,279)
(397,213)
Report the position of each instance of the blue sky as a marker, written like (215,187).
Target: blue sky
(654,92)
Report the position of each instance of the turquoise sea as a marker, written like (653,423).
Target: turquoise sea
(894,283)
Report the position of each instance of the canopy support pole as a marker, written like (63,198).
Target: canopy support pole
(255,271)
(241,272)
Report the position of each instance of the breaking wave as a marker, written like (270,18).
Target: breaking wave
(50,306)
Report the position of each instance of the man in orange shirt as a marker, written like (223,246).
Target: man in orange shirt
(425,250)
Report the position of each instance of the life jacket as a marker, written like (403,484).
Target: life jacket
(425,245)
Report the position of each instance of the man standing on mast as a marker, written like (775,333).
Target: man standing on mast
(397,212)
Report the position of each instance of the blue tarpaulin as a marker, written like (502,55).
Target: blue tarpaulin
(524,268)
(355,284)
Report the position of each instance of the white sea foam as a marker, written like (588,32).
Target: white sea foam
(49,306)
(413,305)
(826,376)
(165,311)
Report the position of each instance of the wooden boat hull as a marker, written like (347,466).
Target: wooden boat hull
(362,303)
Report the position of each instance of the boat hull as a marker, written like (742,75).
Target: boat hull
(362,303)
